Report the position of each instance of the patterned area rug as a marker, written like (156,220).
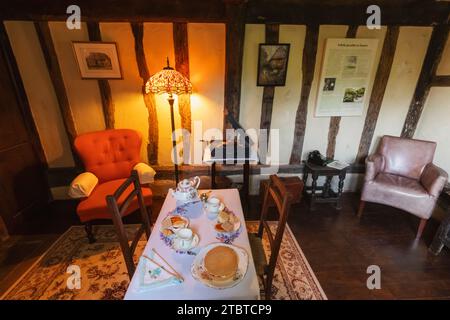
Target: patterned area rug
(104,275)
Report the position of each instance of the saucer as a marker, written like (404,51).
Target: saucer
(194,243)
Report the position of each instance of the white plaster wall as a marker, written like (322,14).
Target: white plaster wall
(251,95)
(286,99)
(83,95)
(130,110)
(402,81)
(434,124)
(316,135)
(207,70)
(349,136)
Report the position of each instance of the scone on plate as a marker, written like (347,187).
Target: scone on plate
(177,222)
(167,232)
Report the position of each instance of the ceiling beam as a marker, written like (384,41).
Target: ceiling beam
(282,12)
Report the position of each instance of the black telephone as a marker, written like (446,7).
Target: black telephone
(316,158)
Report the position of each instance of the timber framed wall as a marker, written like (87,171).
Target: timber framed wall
(409,92)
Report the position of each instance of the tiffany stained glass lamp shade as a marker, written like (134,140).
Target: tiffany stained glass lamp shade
(170,81)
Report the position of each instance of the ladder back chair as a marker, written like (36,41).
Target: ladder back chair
(278,194)
(118,204)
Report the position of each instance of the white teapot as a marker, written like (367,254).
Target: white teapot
(187,189)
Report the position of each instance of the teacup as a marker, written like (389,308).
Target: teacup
(213,205)
(185,237)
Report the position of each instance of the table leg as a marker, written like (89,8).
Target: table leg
(246,185)
(313,191)
(340,190)
(327,187)
(213,175)
(305,177)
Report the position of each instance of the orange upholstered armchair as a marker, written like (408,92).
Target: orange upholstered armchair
(108,156)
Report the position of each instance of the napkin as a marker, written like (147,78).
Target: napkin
(152,276)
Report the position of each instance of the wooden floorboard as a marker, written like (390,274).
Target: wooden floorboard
(338,246)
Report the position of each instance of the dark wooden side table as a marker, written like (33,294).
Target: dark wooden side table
(327,195)
(442,236)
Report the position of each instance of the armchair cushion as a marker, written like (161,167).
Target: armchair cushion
(404,176)
(82,185)
(374,165)
(145,172)
(399,192)
(95,207)
(433,179)
(109,154)
(406,157)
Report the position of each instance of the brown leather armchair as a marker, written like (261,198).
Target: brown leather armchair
(401,174)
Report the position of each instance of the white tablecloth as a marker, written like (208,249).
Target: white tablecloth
(248,288)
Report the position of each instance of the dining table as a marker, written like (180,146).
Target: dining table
(202,225)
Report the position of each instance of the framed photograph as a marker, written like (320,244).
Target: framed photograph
(272,64)
(97,60)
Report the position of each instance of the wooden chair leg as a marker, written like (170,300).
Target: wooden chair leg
(422,224)
(362,204)
(90,235)
(268,287)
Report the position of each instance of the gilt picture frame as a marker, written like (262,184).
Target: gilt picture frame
(272,64)
(97,60)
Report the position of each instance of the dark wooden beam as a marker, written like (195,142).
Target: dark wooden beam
(103,84)
(272,36)
(336,121)
(378,89)
(118,11)
(308,65)
(54,70)
(429,67)
(424,12)
(149,99)
(16,79)
(440,81)
(181,47)
(234,51)
(333,131)
(420,13)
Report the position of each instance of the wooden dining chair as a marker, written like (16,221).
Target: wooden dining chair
(118,204)
(275,193)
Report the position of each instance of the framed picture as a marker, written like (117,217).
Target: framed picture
(272,64)
(97,60)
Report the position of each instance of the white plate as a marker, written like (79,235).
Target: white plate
(200,274)
(194,243)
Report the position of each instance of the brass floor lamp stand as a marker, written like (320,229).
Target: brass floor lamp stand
(174,143)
